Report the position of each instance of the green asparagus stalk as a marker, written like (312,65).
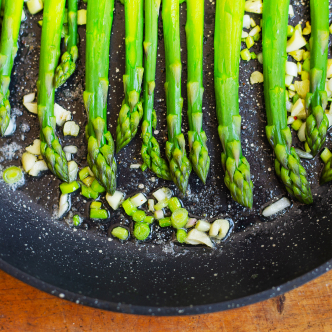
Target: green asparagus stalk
(287,163)
(50,146)
(326,175)
(100,142)
(227,46)
(150,147)
(10,31)
(68,60)
(317,122)
(180,166)
(199,155)
(131,111)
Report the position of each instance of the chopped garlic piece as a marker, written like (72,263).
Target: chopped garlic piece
(70,149)
(254,6)
(256,77)
(291,68)
(301,133)
(81,17)
(11,127)
(34,148)
(276,207)
(63,205)
(28,160)
(296,41)
(31,107)
(71,129)
(61,115)
(72,171)
(29,98)
(115,200)
(35,6)
(203,226)
(138,200)
(291,11)
(290,120)
(298,109)
(307,29)
(288,80)
(257,29)
(302,88)
(219,228)
(196,237)
(329,68)
(38,167)
(246,21)
(244,34)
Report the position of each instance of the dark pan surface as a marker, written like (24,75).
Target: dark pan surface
(261,258)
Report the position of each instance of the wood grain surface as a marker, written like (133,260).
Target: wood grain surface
(24,308)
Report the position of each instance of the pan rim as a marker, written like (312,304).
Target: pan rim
(165,311)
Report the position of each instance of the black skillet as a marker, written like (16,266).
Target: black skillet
(261,259)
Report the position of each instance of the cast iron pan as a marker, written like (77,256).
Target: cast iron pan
(261,258)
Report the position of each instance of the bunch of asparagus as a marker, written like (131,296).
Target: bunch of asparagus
(287,163)
(50,148)
(8,47)
(131,111)
(100,142)
(150,147)
(227,46)
(68,60)
(180,166)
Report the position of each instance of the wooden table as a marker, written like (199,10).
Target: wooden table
(24,308)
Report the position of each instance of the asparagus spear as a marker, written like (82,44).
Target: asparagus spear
(68,60)
(180,167)
(227,46)
(150,147)
(316,101)
(131,111)
(10,31)
(199,155)
(49,56)
(100,142)
(287,163)
(326,175)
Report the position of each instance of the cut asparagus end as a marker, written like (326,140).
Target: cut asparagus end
(12,175)
(121,233)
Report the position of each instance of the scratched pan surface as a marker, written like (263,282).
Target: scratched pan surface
(261,258)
